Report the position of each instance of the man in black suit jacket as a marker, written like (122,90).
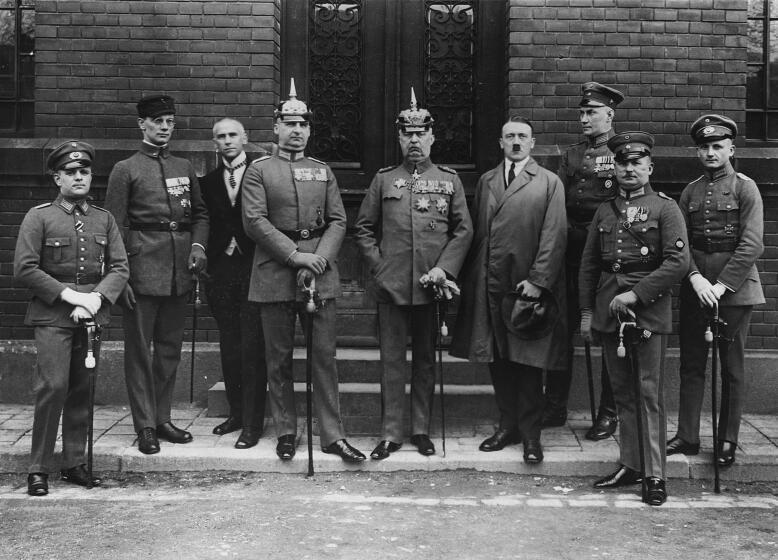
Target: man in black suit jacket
(230,254)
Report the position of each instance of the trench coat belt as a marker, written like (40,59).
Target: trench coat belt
(626,268)
(298,234)
(79,277)
(711,246)
(160,226)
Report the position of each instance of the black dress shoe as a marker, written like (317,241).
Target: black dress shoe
(78,475)
(231,424)
(423,444)
(348,453)
(624,476)
(174,435)
(604,427)
(384,449)
(727,453)
(499,440)
(533,452)
(248,437)
(655,493)
(37,484)
(286,447)
(554,416)
(678,445)
(147,441)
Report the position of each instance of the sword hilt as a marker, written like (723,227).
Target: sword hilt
(309,291)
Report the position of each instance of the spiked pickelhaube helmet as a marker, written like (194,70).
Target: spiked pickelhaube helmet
(292,110)
(414,119)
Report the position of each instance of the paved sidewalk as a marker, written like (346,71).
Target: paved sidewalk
(567,452)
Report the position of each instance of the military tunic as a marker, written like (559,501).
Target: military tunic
(413,218)
(292,203)
(648,263)
(77,246)
(724,217)
(156,197)
(588,173)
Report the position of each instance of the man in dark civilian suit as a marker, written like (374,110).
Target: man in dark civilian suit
(230,254)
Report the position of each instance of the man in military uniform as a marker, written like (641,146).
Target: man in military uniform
(156,197)
(70,254)
(292,210)
(724,217)
(413,223)
(230,254)
(635,252)
(517,257)
(588,174)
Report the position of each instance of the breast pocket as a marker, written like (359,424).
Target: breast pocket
(57,249)
(605,231)
(650,234)
(727,205)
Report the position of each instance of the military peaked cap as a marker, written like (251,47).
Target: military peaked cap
(598,95)
(71,154)
(713,127)
(631,145)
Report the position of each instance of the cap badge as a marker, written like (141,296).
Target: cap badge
(75,155)
(708,130)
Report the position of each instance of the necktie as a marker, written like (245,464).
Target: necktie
(233,182)
(512,172)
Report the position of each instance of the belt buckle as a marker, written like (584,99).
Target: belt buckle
(305,233)
(615,267)
(173,226)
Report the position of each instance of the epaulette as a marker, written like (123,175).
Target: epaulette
(447,169)
(577,144)
(744,177)
(44,205)
(316,160)
(385,169)
(263,158)
(98,208)
(663,195)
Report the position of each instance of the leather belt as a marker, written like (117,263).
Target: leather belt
(711,246)
(298,234)
(79,278)
(161,226)
(626,268)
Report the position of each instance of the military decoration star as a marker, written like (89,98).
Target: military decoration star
(399,183)
(442,205)
(423,204)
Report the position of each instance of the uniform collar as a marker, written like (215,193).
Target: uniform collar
(421,167)
(600,139)
(69,207)
(720,173)
(154,151)
(629,195)
(289,155)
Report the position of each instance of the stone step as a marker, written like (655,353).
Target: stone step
(360,405)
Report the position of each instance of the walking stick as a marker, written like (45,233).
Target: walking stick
(311,307)
(635,367)
(195,305)
(590,379)
(92,340)
(442,331)
(712,337)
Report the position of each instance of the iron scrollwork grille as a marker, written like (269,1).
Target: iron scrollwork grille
(449,56)
(335,80)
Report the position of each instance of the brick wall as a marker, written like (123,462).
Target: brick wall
(96,58)
(674,60)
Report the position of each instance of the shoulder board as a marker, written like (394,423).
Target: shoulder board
(582,142)
(447,169)
(663,195)
(385,169)
(316,160)
(44,205)
(98,208)
(263,158)
(744,177)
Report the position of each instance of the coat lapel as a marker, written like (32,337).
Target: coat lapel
(521,180)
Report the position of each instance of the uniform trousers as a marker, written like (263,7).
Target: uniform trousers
(278,321)
(518,390)
(241,344)
(393,330)
(694,358)
(61,388)
(650,357)
(151,376)
(558,381)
